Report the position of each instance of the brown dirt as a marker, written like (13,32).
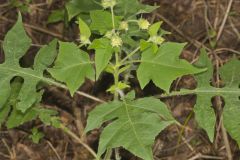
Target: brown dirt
(188,20)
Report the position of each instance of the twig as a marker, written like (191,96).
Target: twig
(37,28)
(4,155)
(180,136)
(224,19)
(89,96)
(54,150)
(234,28)
(8,148)
(4,4)
(194,42)
(220,50)
(199,155)
(226,141)
(74,136)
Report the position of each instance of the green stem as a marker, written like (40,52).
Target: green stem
(113,21)
(183,127)
(135,21)
(130,54)
(116,75)
(116,80)
(131,62)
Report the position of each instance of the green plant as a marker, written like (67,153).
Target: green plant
(124,44)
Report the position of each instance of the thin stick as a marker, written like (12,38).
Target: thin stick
(194,42)
(54,150)
(226,141)
(73,135)
(37,28)
(8,148)
(224,19)
(4,4)
(52,82)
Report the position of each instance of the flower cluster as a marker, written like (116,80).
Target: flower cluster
(143,23)
(123,25)
(157,40)
(108,3)
(116,41)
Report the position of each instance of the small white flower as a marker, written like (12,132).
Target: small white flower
(116,41)
(143,24)
(108,3)
(123,25)
(157,40)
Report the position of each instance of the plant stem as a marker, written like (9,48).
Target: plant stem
(116,80)
(116,75)
(113,21)
(182,129)
(52,82)
(130,54)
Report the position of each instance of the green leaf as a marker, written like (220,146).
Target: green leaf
(103,54)
(230,93)
(36,135)
(56,16)
(72,66)
(128,118)
(45,56)
(164,66)
(129,8)
(45,115)
(12,100)
(153,29)
(84,29)
(117,87)
(102,21)
(203,107)
(14,49)
(18,118)
(74,7)
(231,77)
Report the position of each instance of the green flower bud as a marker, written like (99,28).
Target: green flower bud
(123,25)
(108,3)
(116,41)
(143,24)
(109,34)
(157,40)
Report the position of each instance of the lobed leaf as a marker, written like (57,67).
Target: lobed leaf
(128,118)
(14,49)
(203,107)
(74,7)
(230,93)
(231,76)
(103,54)
(102,21)
(164,66)
(129,8)
(72,66)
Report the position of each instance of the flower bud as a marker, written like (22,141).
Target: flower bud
(108,3)
(143,24)
(116,41)
(157,40)
(123,25)
(109,34)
